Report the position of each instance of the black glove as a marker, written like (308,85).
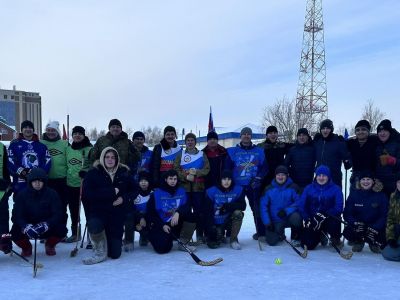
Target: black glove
(282,214)
(255,183)
(347,164)
(82,174)
(317,220)
(41,228)
(224,208)
(371,235)
(5,243)
(393,244)
(30,231)
(359,227)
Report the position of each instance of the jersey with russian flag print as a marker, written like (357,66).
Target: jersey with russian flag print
(168,157)
(189,161)
(140,203)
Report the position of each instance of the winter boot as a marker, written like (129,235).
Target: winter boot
(99,241)
(236,218)
(143,241)
(186,234)
(26,247)
(337,242)
(374,248)
(357,246)
(324,240)
(129,238)
(50,245)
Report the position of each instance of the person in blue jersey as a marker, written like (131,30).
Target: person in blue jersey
(107,189)
(168,211)
(5,193)
(319,201)
(164,155)
(365,212)
(225,203)
(136,218)
(144,163)
(278,208)
(249,166)
(26,153)
(192,166)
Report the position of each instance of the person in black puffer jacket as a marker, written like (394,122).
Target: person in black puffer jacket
(37,213)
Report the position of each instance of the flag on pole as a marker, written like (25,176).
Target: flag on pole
(346,134)
(65,136)
(210,122)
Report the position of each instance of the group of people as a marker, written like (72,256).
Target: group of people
(170,192)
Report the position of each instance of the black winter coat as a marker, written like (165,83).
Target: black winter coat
(331,152)
(216,160)
(300,162)
(363,157)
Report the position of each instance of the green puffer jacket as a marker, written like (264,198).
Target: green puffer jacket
(77,161)
(126,151)
(393,218)
(57,149)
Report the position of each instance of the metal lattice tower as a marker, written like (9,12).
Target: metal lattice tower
(311,99)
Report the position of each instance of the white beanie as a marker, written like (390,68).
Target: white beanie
(55,125)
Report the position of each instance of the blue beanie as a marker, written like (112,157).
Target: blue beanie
(322,169)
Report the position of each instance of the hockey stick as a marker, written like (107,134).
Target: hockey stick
(74,251)
(83,236)
(38,265)
(345,255)
(194,256)
(34,260)
(301,254)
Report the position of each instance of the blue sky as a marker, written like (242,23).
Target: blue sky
(166,62)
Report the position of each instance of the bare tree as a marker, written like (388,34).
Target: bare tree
(153,135)
(373,114)
(129,131)
(92,134)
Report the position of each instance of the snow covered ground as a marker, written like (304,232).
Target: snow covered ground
(246,274)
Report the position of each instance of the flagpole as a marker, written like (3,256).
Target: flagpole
(68,127)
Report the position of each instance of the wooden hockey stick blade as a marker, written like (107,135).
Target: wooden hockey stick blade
(74,252)
(38,265)
(346,255)
(210,263)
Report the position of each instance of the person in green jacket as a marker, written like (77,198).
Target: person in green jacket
(58,172)
(77,166)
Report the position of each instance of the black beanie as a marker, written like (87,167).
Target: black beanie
(226,174)
(169,129)
(212,135)
(78,129)
(302,131)
(384,125)
(366,174)
(271,129)
(138,134)
(281,169)
(363,123)
(190,135)
(326,124)
(27,123)
(114,122)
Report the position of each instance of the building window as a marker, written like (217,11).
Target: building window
(12,97)
(5,96)
(16,98)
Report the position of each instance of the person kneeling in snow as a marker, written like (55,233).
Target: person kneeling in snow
(320,200)
(37,213)
(392,250)
(169,216)
(365,212)
(278,208)
(107,189)
(225,204)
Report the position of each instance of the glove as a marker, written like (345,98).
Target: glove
(5,243)
(359,227)
(393,244)
(190,178)
(347,164)
(282,214)
(82,174)
(387,160)
(192,171)
(30,231)
(371,235)
(255,183)
(23,172)
(224,208)
(317,221)
(41,228)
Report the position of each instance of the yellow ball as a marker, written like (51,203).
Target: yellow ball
(278,261)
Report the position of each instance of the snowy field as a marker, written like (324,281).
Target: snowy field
(246,274)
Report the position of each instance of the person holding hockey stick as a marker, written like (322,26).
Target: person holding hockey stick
(278,209)
(318,200)
(107,189)
(168,211)
(365,213)
(225,205)
(37,213)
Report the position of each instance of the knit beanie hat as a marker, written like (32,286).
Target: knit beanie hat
(54,125)
(272,129)
(138,134)
(384,125)
(281,169)
(246,130)
(212,135)
(366,174)
(302,131)
(78,129)
(114,122)
(227,174)
(322,169)
(326,124)
(27,123)
(363,123)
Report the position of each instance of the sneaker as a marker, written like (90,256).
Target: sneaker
(296,243)
(128,247)
(374,248)
(235,245)
(357,247)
